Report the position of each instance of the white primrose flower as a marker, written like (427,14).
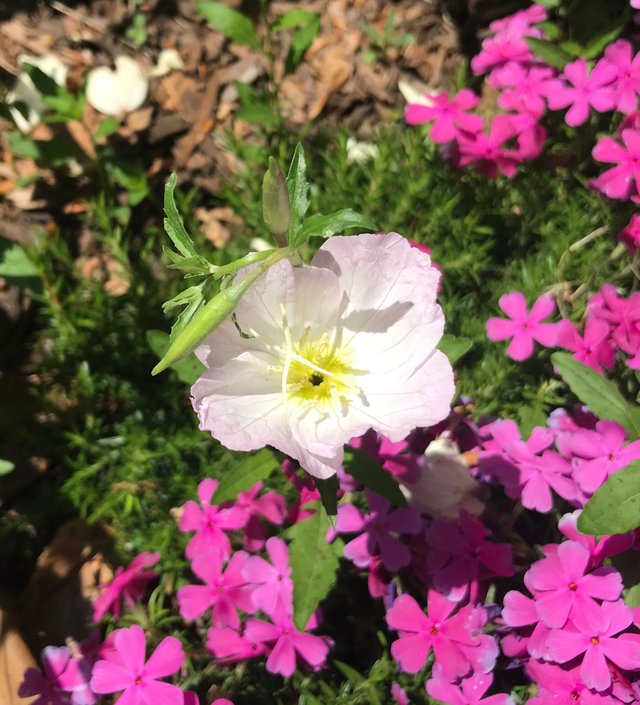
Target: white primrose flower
(117,92)
(322,353)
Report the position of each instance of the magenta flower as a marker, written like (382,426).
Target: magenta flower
(592,348)
(599,549)
(566,591)
(528,87)
(230,647)
(582,90)
(271,585)
(129,584)
(377,532)
(530,135)
(270,506)
(523,326)
(622,182)
(519,22)
(486,152)
(600,453)
(557,686)
(461,555)
(399,695)
(127,670)
(630,234)
(520,611)
(469,692)
(622,316)
(52,685)
(449,115)
(209,522)
(223,590)
(287,642)
(626,85)
(599,646)
(439,630)
(499,50)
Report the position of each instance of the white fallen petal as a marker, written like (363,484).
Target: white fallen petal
(117,92)
(169,60)
(413,95)
(24,91)
(360,152)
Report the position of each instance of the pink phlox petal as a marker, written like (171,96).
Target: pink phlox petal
(131,645)
(350,519)
(166,660)
(411,652)
(272,507)
(446,692)
(519,610)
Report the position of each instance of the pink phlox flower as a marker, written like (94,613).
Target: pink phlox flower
(287,642)
(49,685)
(519,22)
(582,90)
(270,506)
(399,695)
(129,584)
(525,87)
(626,85)
(486,152)
(378,531)
(378,578)
(139,680)
(221,701)
(566,591)
(224,590)
(461,555)
(520,611)
(530,135)
(439,630)
(523,326)
(599,646)
(600,453)
(470,691)
(630,234)
(449,115)
(622,316)
(230,647)
(271,584)
(593,348)
(399,460)
(559,686)
(501,49)
(622,182)
(209,521)
(635,4)
(494,463)
(599,548)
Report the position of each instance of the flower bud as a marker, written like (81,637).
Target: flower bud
(276,210)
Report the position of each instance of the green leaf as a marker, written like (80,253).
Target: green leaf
(58,98)
(230,22)
(549,52)
(359,682)
(6,467)
(614,507)
(301,41)
(530,417)
(107,127)
(314,564)
(251,469)
(597,45)
(598,393)
(632,596)
(454,348)
(294,18)
(371,474)
(328,490)
(188,369)
(173,224)
(192,266)
(328,225)
(16,267)
(298,194)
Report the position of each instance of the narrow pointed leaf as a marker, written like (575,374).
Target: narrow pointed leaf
(253,468)
(173,222)
(298,187)
(230,22)
(338,222)
(598,393)
(549,52)
(328,490)
(314,564)
(372,475)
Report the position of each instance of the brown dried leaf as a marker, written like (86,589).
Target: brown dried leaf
(333,69)
(216,224)
(15,658)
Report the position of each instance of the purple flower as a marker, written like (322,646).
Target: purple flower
(128,584)
(49,684)
(599,646)
(621,182)
(272,588)
(449,115)
(469,692)
(523,326)
(582,90)
(223,590)
(376,532)
(566,591)
(209,521)
(126,670)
